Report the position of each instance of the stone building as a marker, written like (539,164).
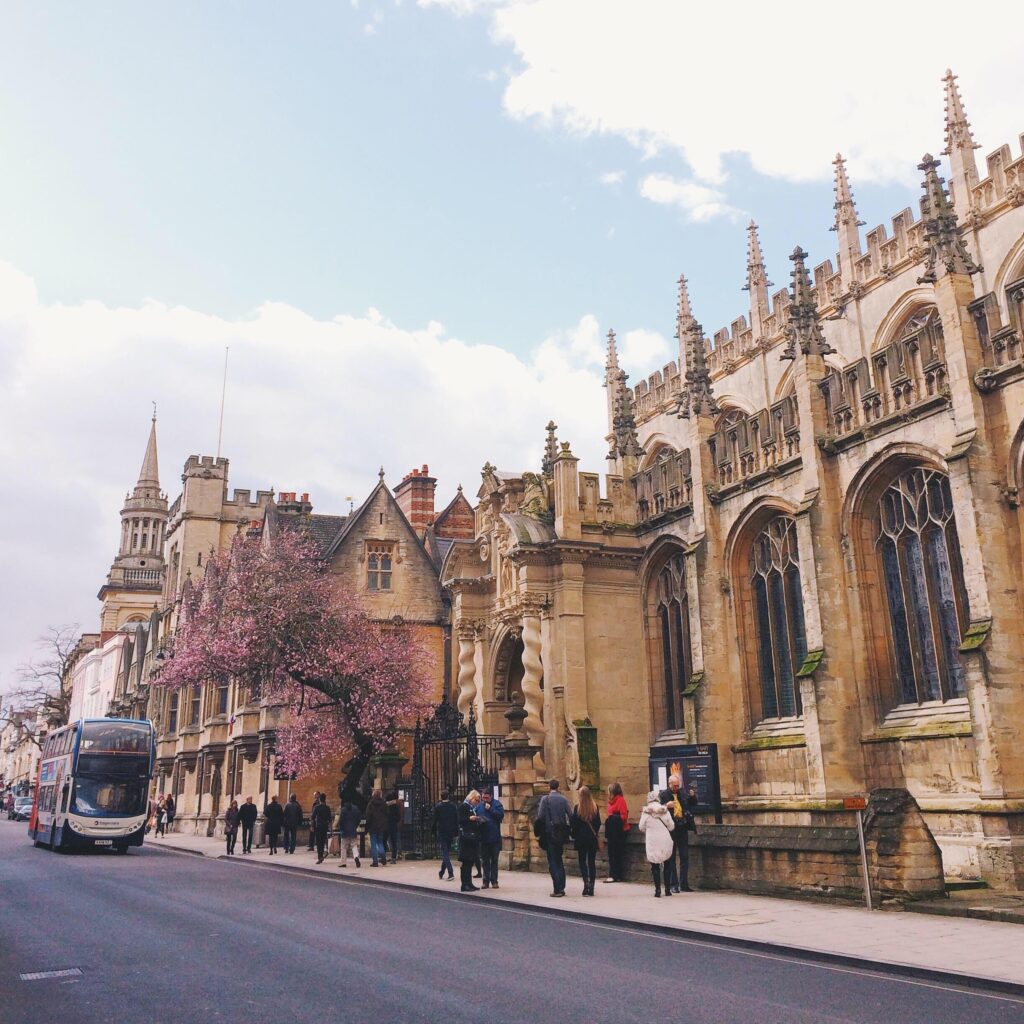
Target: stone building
(808,549)
(216,742)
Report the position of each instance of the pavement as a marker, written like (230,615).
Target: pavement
(161,938)
(891,940)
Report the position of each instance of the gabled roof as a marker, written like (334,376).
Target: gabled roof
(321,529)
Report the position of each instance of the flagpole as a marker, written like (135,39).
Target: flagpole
(223,393)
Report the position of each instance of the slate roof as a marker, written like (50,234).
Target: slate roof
(321,529)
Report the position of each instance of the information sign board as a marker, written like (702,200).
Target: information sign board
(697,764)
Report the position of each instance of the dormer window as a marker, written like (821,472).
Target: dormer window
(378,566)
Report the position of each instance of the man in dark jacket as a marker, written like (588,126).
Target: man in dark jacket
(554,813)
(247,819)
(492,813)
(292,820)
(316,800)
(396,811)
(170,810)
(273,819)
(348,827)
(446,828)
(320,825)
(681,806)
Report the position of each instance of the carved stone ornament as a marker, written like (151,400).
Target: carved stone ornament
(1015,195)
(886,271)
(985,380)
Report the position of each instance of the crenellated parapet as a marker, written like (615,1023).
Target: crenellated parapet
(745,449)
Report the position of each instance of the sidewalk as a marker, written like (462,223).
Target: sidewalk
(970,949)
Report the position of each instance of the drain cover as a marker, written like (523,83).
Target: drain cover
(68,972)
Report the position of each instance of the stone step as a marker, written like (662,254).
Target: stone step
(965,884)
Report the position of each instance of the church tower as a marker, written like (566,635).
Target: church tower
(133,585)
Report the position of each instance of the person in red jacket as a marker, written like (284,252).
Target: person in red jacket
(616,826)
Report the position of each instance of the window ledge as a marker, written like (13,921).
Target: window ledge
(931,720)
(774,734)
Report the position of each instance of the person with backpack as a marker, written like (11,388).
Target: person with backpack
(348,829)
(446,828)
(292,820)
(554,814)
(657,825)
(586,832)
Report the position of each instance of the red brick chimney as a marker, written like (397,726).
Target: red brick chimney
(415,497)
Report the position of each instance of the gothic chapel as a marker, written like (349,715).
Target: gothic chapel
(808,548)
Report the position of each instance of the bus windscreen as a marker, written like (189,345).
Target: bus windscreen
(105,797)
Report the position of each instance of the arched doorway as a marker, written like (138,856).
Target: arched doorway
(508,667)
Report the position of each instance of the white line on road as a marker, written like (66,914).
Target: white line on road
(68,972)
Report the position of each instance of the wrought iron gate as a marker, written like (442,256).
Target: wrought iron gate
(447,754)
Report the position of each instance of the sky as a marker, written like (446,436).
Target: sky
(412,223)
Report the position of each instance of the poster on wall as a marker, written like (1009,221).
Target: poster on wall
(697,765)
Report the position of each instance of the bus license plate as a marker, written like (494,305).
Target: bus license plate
(104,842)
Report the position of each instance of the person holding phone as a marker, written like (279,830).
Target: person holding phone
(491,812)
(469,839)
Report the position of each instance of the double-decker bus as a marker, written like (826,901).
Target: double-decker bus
(93,785)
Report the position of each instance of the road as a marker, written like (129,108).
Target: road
(166,938)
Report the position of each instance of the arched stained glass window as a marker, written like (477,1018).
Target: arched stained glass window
(778,609)
(919,556)
(674,624)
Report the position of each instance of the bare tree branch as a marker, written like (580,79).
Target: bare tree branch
(44,683)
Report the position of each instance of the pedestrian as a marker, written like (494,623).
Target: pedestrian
(616,828)
(171,809)
(316,798)
(231,826)
(151,814)
(396,811)
(247,815)
(446,828)
(377,825)
(469,839)
(273,819)
(348,829)
(292,820)
(554,813)
(656,825)
(680,805)
(161,818)
(492,813)
(320,825)
(586,833)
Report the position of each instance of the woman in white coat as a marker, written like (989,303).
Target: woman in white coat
(656,824)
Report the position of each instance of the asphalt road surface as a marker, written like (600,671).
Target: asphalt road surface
(165,938)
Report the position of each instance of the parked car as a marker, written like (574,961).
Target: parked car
(22,809)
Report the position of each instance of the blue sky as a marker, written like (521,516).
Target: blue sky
(412,222)
(219,155)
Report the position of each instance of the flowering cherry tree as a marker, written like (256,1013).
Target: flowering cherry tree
(271,617)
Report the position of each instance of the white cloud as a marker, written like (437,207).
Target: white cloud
(612,177)
(642,351)
(312,405)
(698,203)
(709,80)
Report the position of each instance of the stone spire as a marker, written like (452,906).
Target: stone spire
(804,328)
(846,222)
(696,396)
(684,317)
(757,282)
(149,476)
(625,443)
(550,450)
(611,361)
(960,146)
(946,251)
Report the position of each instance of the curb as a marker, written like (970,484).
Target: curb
(815,956)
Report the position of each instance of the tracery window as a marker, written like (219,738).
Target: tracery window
(674,626)
(378,567)
(778,610)
(919,556)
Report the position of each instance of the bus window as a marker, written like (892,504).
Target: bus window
(116,737)
(64,798)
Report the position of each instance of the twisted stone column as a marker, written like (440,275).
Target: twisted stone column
(533,697)
(467,669)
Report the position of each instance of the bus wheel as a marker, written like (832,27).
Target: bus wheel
(121,849)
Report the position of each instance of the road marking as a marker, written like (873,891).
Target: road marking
(68,972)
(487,904)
